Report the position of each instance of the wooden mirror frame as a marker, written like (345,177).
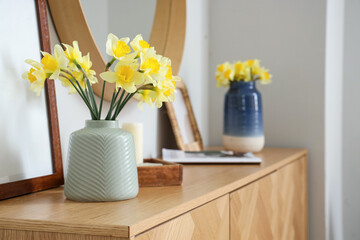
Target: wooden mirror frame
(167,35)
(197,145)
(12,189)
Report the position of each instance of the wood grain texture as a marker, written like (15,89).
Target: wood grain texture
(17,188)
(254,210)
(49,210)
(273,207)
(167,36)
(197,145)
(292,185)
(6,234)
(169,174)
(208,222)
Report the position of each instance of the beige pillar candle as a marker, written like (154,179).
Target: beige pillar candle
(137,131)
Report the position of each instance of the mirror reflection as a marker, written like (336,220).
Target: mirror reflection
(124,18)
(24,130)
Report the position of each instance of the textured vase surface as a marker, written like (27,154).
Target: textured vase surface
(101,163)
(243,123)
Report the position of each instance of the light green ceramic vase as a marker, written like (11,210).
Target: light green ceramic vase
(101,163)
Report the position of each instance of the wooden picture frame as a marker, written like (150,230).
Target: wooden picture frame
(167,35)
(12,189)
(196,144)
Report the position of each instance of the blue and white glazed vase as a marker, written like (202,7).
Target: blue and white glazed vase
(243,124)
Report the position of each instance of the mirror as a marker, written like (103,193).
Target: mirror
(124,18)
(29,143)
(23,113)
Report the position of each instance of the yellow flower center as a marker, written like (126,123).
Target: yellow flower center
(125,74)
(121,49)
(250,62)
(227,73)
(221,68)
(167,92)
(49,63)
(31,77)
(144,44)
(255,70)
(266,75)
(153,64)
(238,67)
(169,72)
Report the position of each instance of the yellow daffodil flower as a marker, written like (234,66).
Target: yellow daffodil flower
(86,66)
(265,77)
(249,70)
(125,76)
(154,66)
(36,76)
(144,95)
(158,97)
(116,47)
(138,70)
(169,89)
(150,64)
(254,66)
(138,44)
(247,75)
(239,70)
(53,64)
(224,74)
(73,53)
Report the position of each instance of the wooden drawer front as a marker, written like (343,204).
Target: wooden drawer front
(210,221)
(273,207)
(253,211)
(292,182)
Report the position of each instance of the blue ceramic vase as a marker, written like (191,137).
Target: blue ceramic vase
(243,124)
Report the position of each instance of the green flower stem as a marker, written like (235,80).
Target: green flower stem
(91,92)
(87,92)
(112,104)
(83,97)
(146,87)
(127,98)
(124,103)
(68,72)
(92,98)
(117,104)
(102,98)
(108,65)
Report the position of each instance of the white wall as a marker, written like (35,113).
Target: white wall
(289,38)
(351,127)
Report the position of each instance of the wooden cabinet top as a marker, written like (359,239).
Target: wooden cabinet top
(51,211)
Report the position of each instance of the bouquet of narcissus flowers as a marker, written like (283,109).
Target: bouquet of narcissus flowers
(246,71)
(138,71)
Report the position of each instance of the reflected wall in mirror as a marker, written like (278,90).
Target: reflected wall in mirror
(183,120)
(124,18)
(166,18)
(29,139)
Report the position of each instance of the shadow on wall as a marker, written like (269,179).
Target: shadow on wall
(166,138)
